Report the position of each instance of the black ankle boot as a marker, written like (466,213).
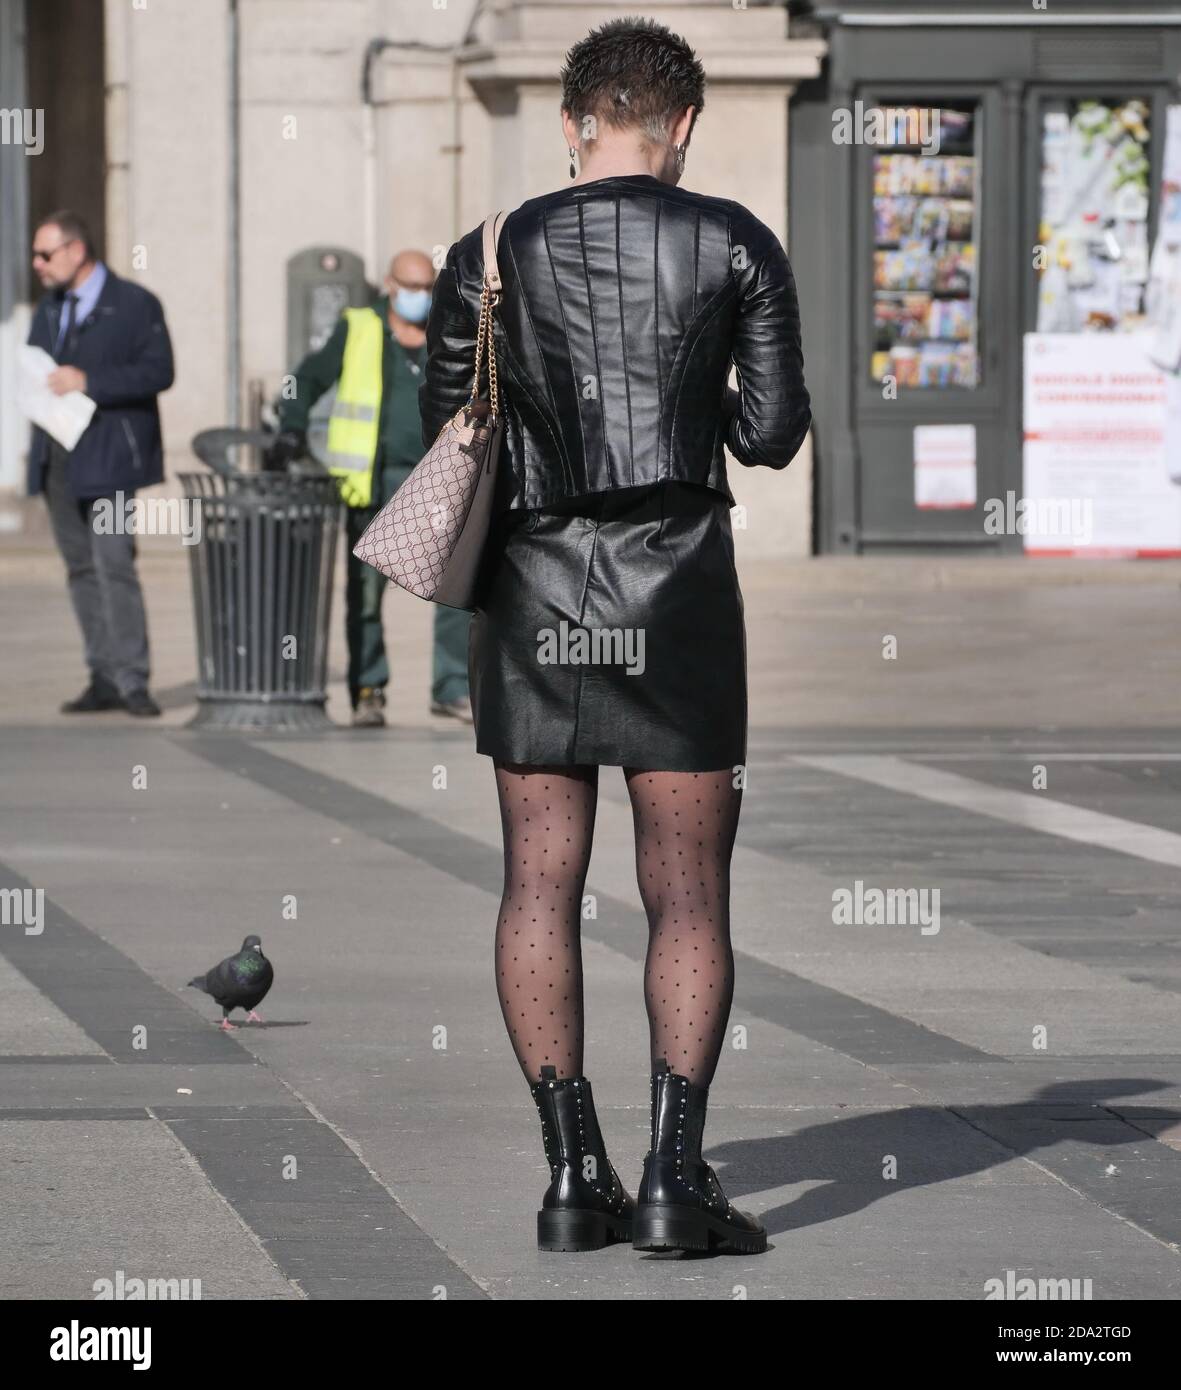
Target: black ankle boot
(681,1203)
(585,1206)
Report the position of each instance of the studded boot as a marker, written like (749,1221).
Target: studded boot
(585,1206)
(681,1204)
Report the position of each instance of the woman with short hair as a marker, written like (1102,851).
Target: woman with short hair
(611,629)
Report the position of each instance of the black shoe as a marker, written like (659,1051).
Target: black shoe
(140,703)
(579,1211)
(100,694)
(681,1204)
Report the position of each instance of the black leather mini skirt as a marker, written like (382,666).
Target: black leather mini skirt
(612,632)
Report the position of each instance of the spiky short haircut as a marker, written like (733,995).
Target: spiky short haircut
(632,73)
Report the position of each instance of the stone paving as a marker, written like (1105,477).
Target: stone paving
(912,1111)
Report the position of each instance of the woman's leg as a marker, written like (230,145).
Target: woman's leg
(685,827)
(548,816)
(685,824)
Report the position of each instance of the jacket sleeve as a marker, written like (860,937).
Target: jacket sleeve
(768,417)
(148,370)
(450,353)
(317,372)
(39,327)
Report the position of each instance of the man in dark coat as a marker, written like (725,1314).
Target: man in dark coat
(110,340)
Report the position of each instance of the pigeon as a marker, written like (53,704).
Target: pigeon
(239,982)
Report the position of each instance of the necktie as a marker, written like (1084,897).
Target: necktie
(67,327)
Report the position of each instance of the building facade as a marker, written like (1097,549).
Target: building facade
(974,183)
(212,142)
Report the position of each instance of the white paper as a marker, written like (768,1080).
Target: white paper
(1173,427)
(944,466)
(1097,431)
(1171,171)
(63,417)
(1165,311)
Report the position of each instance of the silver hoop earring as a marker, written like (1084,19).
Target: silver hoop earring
(573,170)
(680,152)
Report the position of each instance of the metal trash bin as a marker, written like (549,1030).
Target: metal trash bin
(262,575)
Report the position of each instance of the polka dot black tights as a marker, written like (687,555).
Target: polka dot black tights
(685,824)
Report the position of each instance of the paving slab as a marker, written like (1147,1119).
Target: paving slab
(98,1196)
(911,1116)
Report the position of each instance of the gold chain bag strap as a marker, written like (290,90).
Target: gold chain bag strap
(429,537)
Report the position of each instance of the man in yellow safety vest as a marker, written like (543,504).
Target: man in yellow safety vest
(375,359)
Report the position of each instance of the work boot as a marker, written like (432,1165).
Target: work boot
(369,710)
(100,694)
(585,1206)
(681,1205)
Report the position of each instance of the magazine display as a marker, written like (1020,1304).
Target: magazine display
(925,260)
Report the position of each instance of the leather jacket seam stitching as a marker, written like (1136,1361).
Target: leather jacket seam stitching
(685,355)
(523,376)
(696,258)
(656,316)
(590,304)
(570,356)
(631,443)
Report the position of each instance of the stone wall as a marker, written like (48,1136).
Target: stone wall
(418,166)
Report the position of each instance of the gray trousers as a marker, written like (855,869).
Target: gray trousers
(104,587)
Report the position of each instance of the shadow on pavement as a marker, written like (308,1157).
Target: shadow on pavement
(848,1155)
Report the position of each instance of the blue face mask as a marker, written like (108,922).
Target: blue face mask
(413,305)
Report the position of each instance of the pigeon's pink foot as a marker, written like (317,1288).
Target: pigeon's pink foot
(227,1027)
(253,1017)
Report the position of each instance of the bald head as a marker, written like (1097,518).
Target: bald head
(408,283)
(412,270)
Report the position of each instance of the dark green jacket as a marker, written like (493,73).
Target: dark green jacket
(399,426)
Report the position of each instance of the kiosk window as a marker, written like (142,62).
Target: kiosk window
(926,208)
(1093,239)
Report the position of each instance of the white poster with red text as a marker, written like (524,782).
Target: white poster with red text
(1096,467)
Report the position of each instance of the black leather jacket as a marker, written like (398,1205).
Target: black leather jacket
(624,302)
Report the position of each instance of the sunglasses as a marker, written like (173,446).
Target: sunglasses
(49,255)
